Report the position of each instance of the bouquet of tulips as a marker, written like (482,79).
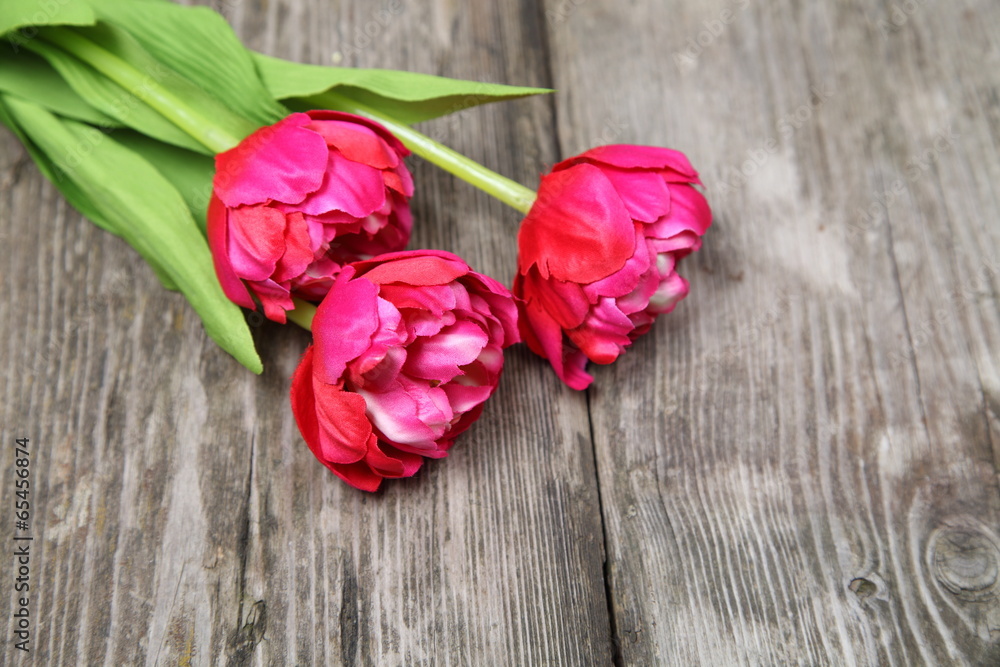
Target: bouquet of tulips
(249,181)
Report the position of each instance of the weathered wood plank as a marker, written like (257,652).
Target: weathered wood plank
(797,466)
(136,508)
(494,555)
(179,518)
(783,481)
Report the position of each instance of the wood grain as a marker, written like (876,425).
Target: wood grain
(797,466)
(494,554)
(135,557)
(809,476)
(202,530)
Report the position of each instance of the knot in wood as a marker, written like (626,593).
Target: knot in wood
(863,588)
(966,562)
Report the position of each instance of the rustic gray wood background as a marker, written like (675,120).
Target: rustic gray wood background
(798,466)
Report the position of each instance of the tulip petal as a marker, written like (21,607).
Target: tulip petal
(438,299)
(283,162)
(464,397)
(680,245)
(391,330)
(387,136)
(298,254)
(526,329)
(574,365)
(401,218)
(274,297)
(400,180)
(312,288)
(502,309)
(626,156)
(490,284)
(304,399)
(484,371)
(329,223)
(256,241)
(359,475)
(218,241)
(389,337)
(539,328)
(394,463)
(460,427)
(644,193)
(481,315)
(375,222)
(672,289)
(638,299)
(490,360)
(425,323)
(356,142)
(343,427)
(463,304)
(331,420)
(433,408)
(565,302)
(578,230)
(407,178)
(438,357)
(689,211)
(401,418)
(381,375)
(344,324)
(419,270)
(622,282)
(348,186)
(604,334)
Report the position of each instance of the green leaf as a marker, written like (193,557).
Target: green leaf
(199,44)
(55,173)
(190,172)
(29,77)
(76,197)
(146,210)
(111,99)
(27,16)
(408,97)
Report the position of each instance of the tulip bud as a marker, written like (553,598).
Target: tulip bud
(598,253)
(296,200)
(407,348)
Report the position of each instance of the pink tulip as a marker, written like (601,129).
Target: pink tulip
(407,348)
(598,253)
(296,200)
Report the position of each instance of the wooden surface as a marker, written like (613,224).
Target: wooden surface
(798,466)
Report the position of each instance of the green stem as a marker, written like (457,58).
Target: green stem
(509,192)
(145,87)
(303,314)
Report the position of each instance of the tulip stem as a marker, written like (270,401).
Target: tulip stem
(303,314)
(146,87)
(509,192)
